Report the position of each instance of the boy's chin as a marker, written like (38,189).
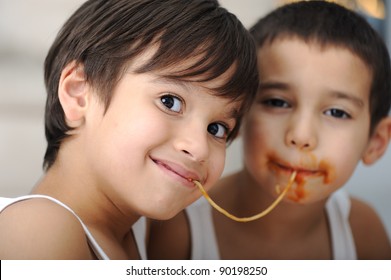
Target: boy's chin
(309,198)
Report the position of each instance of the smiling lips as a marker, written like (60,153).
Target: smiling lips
(185,174)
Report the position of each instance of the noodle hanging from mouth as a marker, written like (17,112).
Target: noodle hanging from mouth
(252,218)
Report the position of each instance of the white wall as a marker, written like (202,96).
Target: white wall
(27,28)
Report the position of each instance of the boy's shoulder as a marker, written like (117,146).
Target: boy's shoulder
(41,229)
(371,239)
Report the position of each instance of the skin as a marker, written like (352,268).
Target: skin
(311,115)
(301,117)
(134,159)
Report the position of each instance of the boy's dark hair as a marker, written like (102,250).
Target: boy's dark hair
(105,35)
(328,24)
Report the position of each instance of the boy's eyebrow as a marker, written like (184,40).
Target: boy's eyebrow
(272,85)
(167,80)
(232,114)
(343,95)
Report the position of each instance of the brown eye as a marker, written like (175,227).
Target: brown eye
(218,130)
(338,113)
(172,102)
(275,102)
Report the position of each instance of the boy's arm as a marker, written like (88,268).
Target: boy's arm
(40,229)
(170,239)
(371,239)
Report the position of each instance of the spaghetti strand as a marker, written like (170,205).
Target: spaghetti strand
(251,218)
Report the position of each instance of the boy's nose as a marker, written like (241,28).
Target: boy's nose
(193,143)
(302,133)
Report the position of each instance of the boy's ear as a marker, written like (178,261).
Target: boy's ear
(73,93)
(378,142)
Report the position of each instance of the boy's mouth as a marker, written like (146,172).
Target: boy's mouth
(301,171)
(305,173)
(179,171)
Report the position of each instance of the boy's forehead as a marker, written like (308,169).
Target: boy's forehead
(288,63)
(311,44)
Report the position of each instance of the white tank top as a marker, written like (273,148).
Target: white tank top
(204,241)
(139,228)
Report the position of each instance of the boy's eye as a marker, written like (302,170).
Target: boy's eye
(337,113)
(276,102)
(172,102)
(218,130)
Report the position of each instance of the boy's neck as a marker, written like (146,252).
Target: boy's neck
(97,214)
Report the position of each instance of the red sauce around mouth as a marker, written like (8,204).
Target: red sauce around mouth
(299,192)
(329,171)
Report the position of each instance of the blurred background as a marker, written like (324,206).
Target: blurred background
(27,29)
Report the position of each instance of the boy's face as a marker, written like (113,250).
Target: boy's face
(311,115)
(156,135)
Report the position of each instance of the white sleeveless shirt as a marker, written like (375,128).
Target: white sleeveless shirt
(139,228)
(204,241)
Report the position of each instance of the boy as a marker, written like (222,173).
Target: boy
(143,96)
(322,106)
